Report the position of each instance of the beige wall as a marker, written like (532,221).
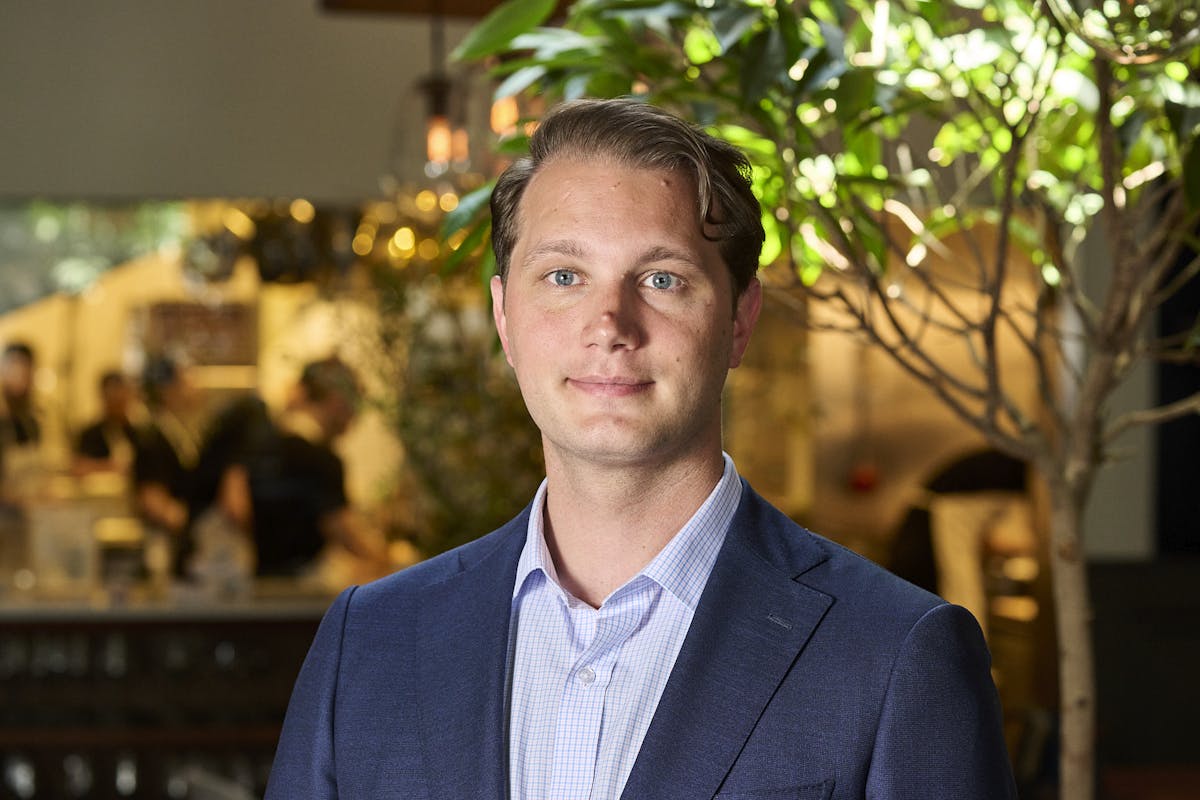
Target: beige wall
(209,98)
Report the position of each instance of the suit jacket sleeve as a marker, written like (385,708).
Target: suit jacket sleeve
(940,736)
(304,761)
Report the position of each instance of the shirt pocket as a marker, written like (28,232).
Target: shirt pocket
(809,791)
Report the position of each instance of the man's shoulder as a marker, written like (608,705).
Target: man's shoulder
(853,580)
(492,551)
(92,433)
(865,584)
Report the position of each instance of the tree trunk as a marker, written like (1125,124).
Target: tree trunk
(1077,683)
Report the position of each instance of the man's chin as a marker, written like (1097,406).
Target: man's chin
(621,447)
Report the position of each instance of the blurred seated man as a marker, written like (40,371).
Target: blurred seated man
(107,444)
(165,449)
(289,489)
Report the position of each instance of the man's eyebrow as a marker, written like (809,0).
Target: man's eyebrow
(554,247)
(661,253)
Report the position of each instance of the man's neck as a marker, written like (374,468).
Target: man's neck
(604,525)
(304,422)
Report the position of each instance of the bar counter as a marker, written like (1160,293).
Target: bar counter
(273,602)
(147,694)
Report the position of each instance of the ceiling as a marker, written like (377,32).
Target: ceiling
(451,8)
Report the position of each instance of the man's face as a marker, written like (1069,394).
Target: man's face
(16,375)
(117,397)
(337,412)
(616,315)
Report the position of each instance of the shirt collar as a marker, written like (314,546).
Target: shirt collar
(535,555)
(682,567)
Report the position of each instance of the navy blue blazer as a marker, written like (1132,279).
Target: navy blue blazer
(808,672)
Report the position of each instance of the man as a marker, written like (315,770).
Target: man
(165,447)
(285,484)
(19,424)
(648,627)
(22,461)
(107,444)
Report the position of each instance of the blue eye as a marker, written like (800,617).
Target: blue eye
(563,277)
(663,280)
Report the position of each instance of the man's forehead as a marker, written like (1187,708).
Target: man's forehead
(560,173)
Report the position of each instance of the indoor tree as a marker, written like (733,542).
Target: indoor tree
(878,129)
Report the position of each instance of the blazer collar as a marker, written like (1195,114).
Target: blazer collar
(753,620)
(463,641)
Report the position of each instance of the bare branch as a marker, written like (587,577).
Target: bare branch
(1153,416)
(1180,356)
(1178,281)
(925,278)
(1156,255)
(1016,445)
(1182,347)
(1069,285)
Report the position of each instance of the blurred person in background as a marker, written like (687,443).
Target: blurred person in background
(166,447)
(288,488)
(215,549)
(19,424)
(23,465)
(107,444)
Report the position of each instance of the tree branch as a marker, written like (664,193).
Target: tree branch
(1153,416)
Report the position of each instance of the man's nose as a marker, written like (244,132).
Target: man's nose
(612,321)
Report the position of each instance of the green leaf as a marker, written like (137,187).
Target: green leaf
(497,30)
(552,41)
(519,81)
(773,243)
(1183,119)
(826,65)
(833,11)
(517,145)
(730,24)
(469,245)
(469,205)
(765,66)
(757,147)
(701,45)
(487,266)
(811,269)
(856,92)
(600,84)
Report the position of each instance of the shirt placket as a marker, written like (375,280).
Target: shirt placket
(581,711)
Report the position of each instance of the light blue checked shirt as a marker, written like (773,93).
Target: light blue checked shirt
(585,681)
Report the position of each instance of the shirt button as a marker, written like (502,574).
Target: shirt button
(586,676)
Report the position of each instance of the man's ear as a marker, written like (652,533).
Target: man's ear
(497,286)
(745,317)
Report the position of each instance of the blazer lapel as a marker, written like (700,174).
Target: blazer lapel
(463,639)
(750,625)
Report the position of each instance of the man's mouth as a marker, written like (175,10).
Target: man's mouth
(610,385)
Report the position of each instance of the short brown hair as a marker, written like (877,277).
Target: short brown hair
(640,135)
(327,377)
